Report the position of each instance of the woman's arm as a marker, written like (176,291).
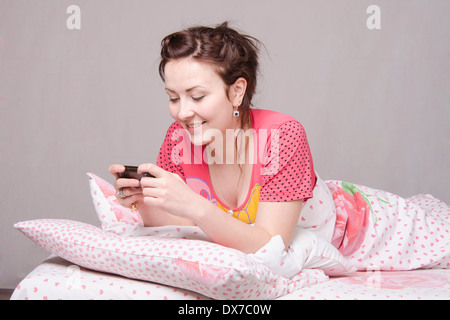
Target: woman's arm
(169,193)
(155,217)
(273,218)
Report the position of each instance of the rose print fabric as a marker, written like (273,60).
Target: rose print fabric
(377,230)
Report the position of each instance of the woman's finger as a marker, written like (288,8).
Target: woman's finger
(149,183)
(152,192)
(115,169)
(128,201)
(126,183)
(128,192)
(153,169)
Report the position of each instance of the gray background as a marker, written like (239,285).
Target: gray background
(374,103)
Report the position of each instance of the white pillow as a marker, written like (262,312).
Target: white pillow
(201,266)
(114,217)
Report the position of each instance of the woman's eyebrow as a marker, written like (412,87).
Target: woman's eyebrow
(187,90)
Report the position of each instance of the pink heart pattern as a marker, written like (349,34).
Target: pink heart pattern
(398,234)
(200,266)
(76,283)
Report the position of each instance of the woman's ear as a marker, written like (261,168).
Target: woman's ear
(237,91)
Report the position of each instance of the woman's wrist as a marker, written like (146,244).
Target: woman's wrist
(200,209)
(153,217)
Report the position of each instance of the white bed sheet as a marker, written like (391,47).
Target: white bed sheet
(430,284)
(58,279)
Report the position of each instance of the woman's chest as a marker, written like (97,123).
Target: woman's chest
(231,184)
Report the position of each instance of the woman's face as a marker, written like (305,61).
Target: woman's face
(198,99)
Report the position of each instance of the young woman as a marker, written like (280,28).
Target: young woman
(243,175)
(210,76)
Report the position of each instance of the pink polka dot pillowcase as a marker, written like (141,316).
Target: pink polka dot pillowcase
(199,266)
(175,256)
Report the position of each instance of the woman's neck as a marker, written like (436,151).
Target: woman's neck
(233,147)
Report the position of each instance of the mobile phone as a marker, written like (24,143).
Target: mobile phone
(131,173)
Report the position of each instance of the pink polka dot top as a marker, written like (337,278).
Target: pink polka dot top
(283,168)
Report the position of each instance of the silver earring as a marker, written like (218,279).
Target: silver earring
(236,112)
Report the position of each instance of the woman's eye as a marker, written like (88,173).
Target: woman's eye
(174,99)
(198,98)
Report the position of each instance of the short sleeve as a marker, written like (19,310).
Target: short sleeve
(288,173)
(169,159)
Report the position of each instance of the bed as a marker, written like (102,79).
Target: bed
(403,252)
(59,279)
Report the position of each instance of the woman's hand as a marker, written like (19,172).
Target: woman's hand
(168,192)
(128,191)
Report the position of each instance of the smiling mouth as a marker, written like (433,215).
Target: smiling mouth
(195,125)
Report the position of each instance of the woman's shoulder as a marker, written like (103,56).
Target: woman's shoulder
(267,119)
(174,129)
(174,126)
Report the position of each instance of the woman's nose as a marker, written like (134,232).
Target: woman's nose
(185,111)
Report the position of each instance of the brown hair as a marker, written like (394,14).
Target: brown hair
(233,54)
